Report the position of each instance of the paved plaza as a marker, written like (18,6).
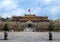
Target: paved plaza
(30,37)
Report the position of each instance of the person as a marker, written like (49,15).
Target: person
(5,35)
(33,30)
(50,35)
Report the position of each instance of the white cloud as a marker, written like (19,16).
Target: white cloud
(53,10)
(18,12)
(48,2)
(56,2)
(36,10)
(8,4)
(5,15)
(45,1)
(11,8)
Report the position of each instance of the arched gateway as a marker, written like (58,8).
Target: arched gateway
(29,26)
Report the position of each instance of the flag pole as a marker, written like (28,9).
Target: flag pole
(29,11)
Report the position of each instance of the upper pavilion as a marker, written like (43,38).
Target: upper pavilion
(30,17)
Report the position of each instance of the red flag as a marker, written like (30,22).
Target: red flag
(28,10)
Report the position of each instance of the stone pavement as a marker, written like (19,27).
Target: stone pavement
(30,37)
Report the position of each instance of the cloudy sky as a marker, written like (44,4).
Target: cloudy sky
(50,8)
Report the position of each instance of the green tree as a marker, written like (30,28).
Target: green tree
(50,26)
(37,29)
(8,19)
(21,29)
(5,28)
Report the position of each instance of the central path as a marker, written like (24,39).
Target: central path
(28,30)
(29,37)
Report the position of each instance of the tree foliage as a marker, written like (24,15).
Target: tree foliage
(51,27)
(5,28)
